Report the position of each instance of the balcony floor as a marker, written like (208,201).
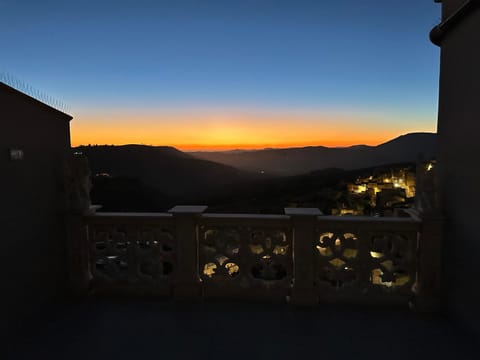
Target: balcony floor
(216,330)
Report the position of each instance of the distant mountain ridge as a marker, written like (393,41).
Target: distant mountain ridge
(154,178)
(295,161)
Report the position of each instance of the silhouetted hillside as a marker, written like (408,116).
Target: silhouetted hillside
(163,172)
(147,178)
(294,161)
(271,196)
(324,189)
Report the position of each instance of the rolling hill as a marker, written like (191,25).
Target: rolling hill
(166,170)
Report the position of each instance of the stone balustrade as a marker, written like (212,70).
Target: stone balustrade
(301,257)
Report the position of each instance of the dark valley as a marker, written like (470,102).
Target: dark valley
(147,178)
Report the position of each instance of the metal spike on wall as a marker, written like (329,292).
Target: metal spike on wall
(19,85)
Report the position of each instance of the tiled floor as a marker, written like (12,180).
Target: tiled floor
(164,330)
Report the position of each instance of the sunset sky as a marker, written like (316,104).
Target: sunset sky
(223,74)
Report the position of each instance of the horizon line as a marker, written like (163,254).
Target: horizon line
(236,147)
(250,147)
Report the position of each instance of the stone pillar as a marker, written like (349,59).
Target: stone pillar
(187,281)
(428,286)
(78,256)
(77,201)
(304,221)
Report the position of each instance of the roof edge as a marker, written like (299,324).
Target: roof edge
(38,102)
(438,33)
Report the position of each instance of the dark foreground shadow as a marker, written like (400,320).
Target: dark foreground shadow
(215,330)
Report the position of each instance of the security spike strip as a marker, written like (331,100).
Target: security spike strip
(31,91)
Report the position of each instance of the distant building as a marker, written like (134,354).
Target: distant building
(388,198)
(385,189)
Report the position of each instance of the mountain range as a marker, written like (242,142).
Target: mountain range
(153,178)
(295,161)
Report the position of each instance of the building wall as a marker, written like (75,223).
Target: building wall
(450,6)
(459,149)
(32,232)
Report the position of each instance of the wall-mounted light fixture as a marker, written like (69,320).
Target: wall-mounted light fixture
(16,154)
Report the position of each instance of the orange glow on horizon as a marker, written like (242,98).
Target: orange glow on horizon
(226,147)
(212,131)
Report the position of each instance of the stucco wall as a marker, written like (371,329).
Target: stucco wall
(459,151)
(32,232)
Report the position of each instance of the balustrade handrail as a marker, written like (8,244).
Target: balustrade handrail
(99,215)
(333,218)
(244,216)
(302,258)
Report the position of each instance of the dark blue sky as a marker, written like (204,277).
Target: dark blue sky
(365,57)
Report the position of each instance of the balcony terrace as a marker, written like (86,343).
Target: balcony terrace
(246,285)
(213,280)
(193,284)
